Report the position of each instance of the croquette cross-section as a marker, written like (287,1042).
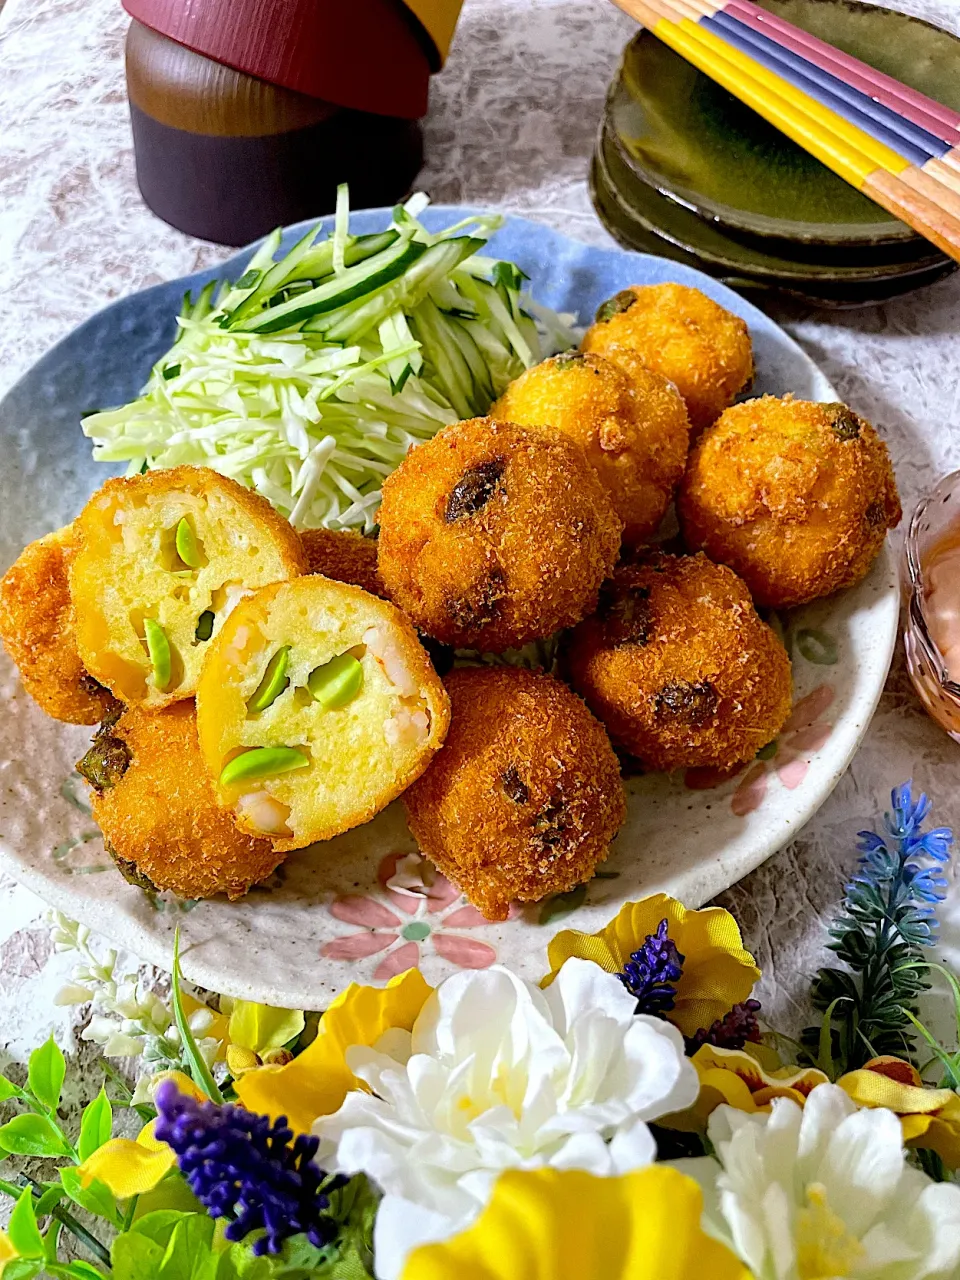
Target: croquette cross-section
(161,560)
(492,535)
(630,422)
(317,705)
(679,666)
(797,497)
(679,332)
(37,627)
(525,797)
(158,813)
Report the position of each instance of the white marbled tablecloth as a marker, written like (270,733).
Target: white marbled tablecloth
(511,125)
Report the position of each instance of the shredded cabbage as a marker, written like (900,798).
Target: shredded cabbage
(311,377)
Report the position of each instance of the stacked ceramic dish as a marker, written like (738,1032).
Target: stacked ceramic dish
(684,170)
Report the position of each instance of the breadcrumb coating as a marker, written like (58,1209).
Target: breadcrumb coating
(797,497)
(525,797)
(633,427)
(38,629)
(702,348)
(492,535)
(158,812)
(345,556)
(679,666)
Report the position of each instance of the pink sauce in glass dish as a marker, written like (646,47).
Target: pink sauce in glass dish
(931,573)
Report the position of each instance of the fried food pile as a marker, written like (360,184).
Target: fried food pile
(248,707)
(261,690)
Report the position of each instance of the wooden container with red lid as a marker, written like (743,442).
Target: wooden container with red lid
(247,114)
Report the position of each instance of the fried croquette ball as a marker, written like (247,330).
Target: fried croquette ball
(702,348)
(679,666)
(796,497)
(158,813)
(492,535)
(344,556)
(525,797)
(161,560)
(632,427)
(37,627)
(316,707)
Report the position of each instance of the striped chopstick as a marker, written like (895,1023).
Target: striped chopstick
(910,103)
(878,170)
(918,144)
(926,142)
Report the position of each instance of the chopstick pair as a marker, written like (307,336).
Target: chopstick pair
(909,191)
(914,133)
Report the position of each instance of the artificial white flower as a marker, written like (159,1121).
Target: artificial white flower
(824,1192)
(127,1020)
(497,1075)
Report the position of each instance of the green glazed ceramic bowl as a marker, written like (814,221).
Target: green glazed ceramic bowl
(699,146)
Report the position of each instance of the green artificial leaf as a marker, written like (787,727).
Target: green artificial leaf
(198,1068)
(190,1254)
(33,1136)
(22,1228)
(23,1268)
(50,1198)
(160,1226)
(170,1193)
(97,1198)
(135,1257)
(76,1271)
(9,1090)
(45,1074)
(96,1126)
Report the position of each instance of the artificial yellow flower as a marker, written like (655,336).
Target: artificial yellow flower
(550,1224)
(746,1079)
(7,1251)
(717,972)
(930,1118)
(132,1168)
(316,1082)
(257,1033)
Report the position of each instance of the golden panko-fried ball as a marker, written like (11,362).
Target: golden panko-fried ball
(679,667)
(796,497)
(344,556)
(679,332)
(492,535)
(317,705)
(38,632)
(633,428)
(525,797)
(158,813)
(162,558)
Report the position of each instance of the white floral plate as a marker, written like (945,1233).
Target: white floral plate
(365,906)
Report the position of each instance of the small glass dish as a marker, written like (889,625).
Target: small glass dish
(939,694)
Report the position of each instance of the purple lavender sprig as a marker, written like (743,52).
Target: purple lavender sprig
(242,1167)
(653,971)
(651,975)
(887,921)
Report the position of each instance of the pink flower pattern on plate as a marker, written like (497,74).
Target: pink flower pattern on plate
(421,907)
(803,734)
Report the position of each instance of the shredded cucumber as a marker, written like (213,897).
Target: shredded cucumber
(311,377)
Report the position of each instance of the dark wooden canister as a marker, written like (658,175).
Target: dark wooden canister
(227,157)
